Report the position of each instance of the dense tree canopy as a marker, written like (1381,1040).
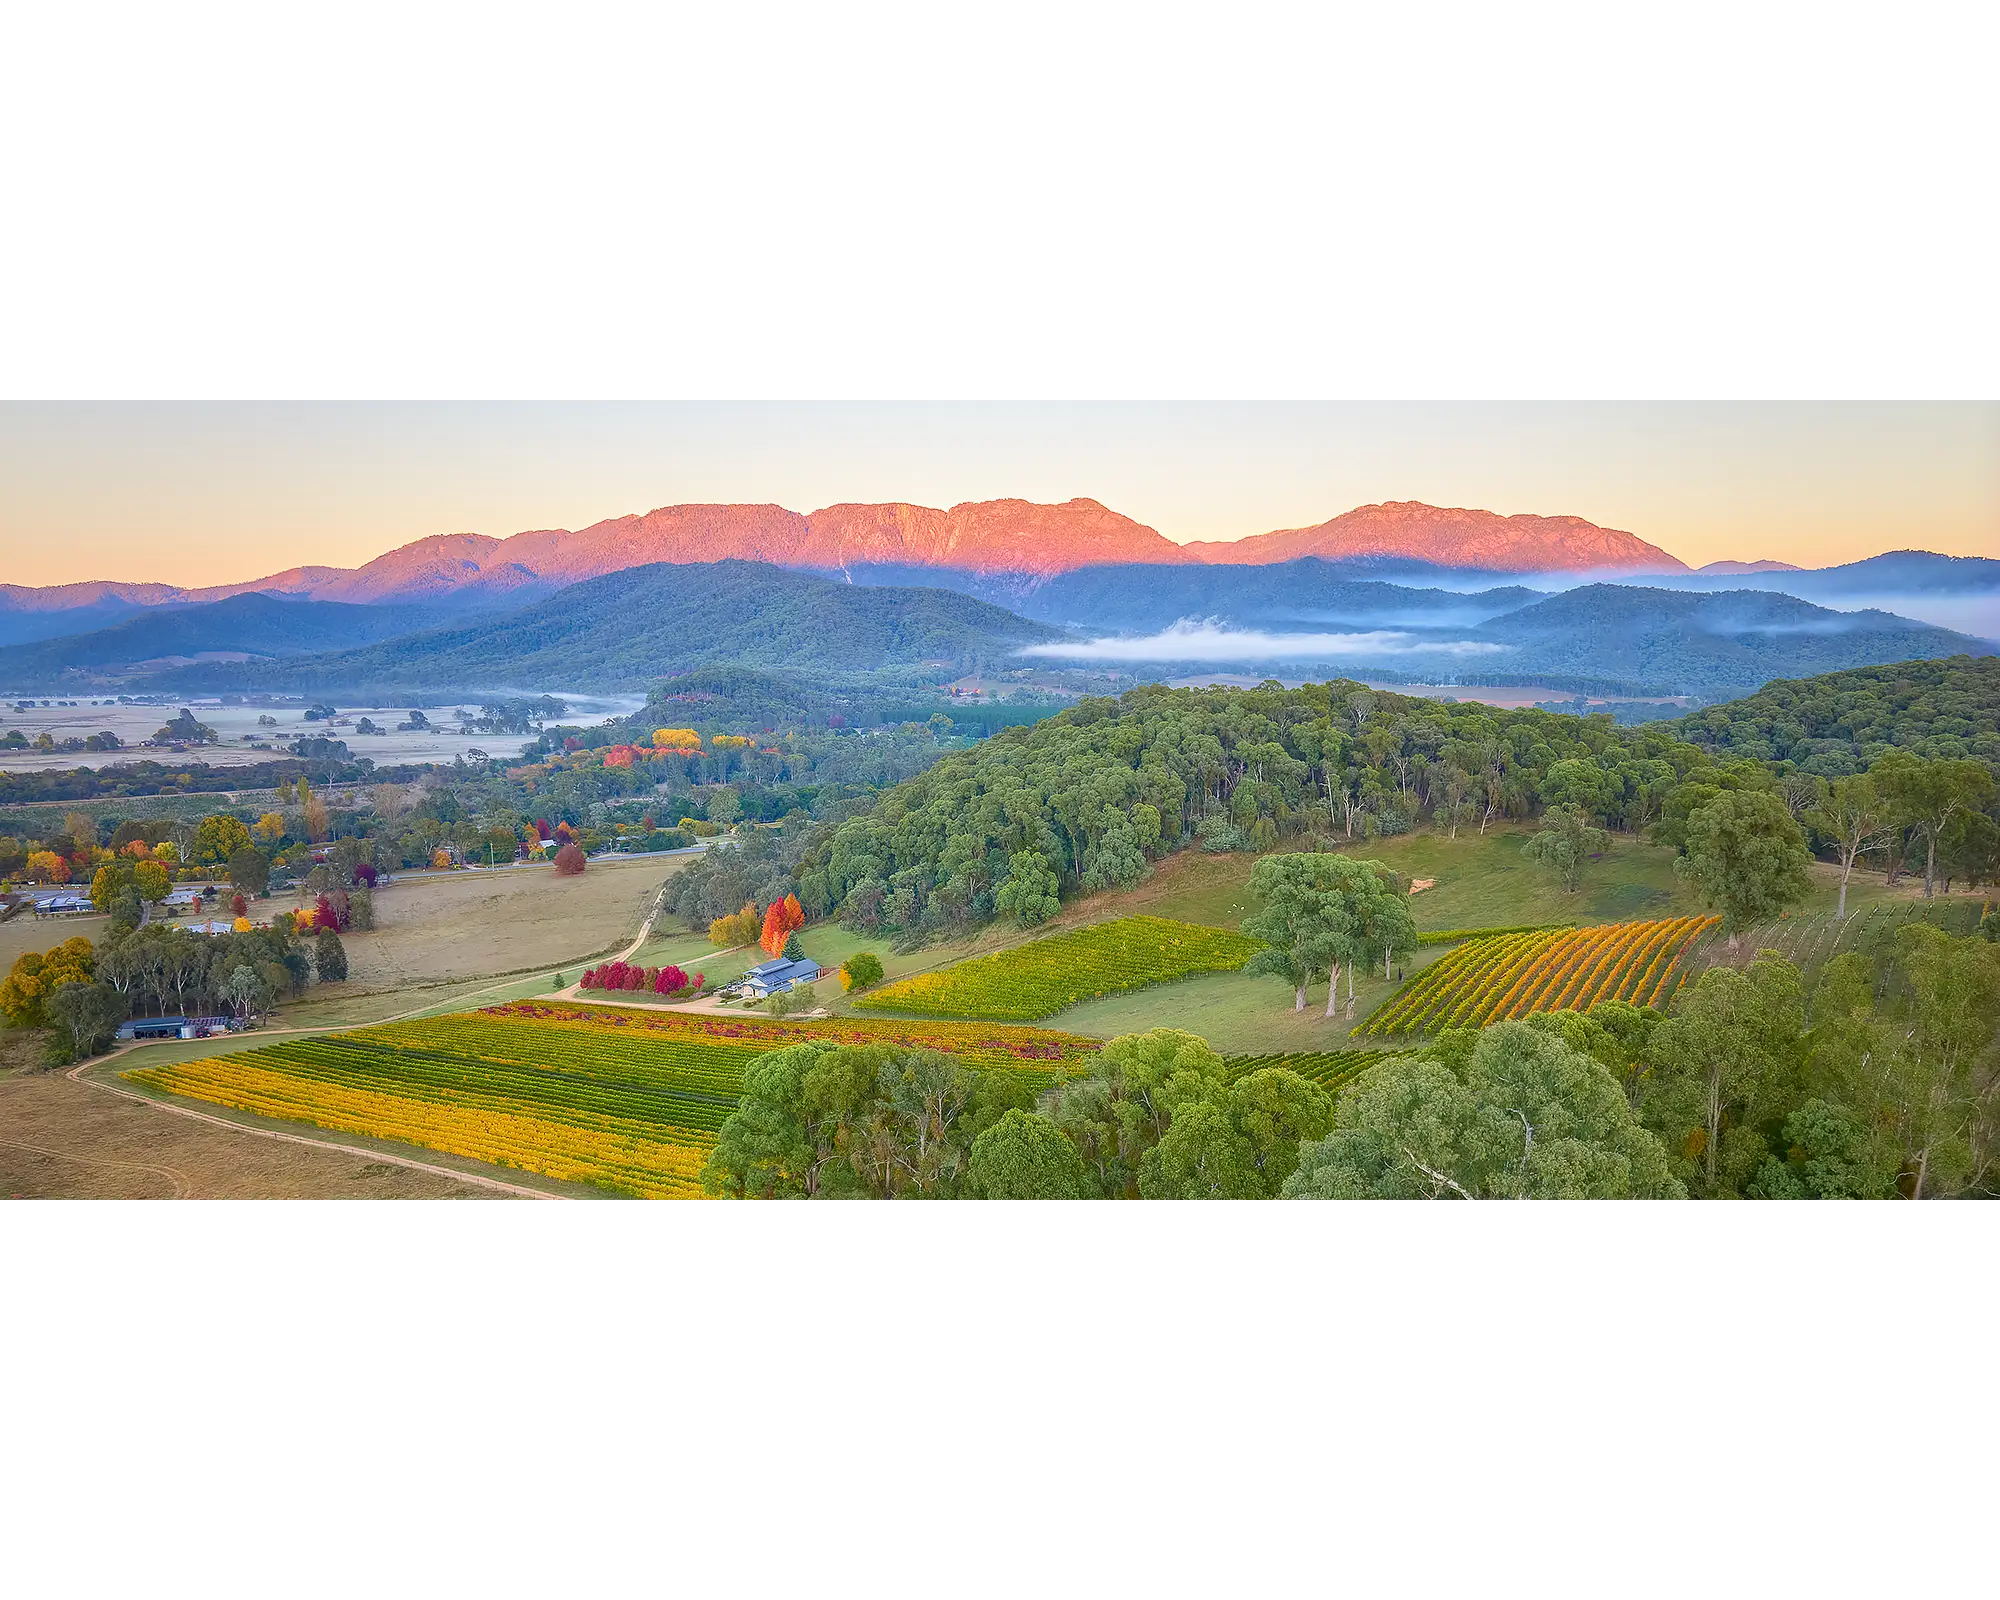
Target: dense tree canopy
(1084,800)
(1746,858)
(1844,722)
(1524,1116)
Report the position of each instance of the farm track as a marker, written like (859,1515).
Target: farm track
(183,1186)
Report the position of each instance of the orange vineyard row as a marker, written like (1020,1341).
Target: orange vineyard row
(1552,969)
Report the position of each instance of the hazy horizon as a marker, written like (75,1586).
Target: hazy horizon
(199,494)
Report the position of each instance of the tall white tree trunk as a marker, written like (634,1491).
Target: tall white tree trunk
(1333,990)
(1714,1124)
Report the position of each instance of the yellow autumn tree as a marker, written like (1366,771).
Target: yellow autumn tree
(739,928)
(45,866)
(38,974)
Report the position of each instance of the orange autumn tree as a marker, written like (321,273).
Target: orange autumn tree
(781,919)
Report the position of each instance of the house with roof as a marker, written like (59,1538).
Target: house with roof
(775,977)
(177,1027)
(68,903)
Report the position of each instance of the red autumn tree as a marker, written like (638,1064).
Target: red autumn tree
(569,861)
(781,919)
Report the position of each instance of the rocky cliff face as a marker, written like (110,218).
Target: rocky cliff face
(979,536)
(1453,538)
(986,536)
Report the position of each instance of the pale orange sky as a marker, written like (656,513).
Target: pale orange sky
(219,493)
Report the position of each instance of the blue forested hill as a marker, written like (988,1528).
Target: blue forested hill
(629,629)
(1844,721)
(249,624)
(1708,644)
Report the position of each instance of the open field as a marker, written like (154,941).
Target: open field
(1240,1012)
(469,924)
(25,931)
(62,1140)
(621,1100)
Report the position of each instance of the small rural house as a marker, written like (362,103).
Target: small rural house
(775,977)
(67,904)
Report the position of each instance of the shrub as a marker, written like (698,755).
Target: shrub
(861,969)
(569,861)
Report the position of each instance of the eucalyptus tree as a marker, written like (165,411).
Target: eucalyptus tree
(1566,841)
(1929,795)
(1746,858)
(1857,819)
(1526,1117)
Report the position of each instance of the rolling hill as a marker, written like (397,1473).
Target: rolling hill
(1729,643)
(247,624)
(1310,592)
(629,629)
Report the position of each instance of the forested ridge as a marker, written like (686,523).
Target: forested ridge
(1841,722)
(1706,644)
(636,626)
(1083,800)
(256,624)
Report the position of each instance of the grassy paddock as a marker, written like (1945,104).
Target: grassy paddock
(1241,1013)
(466,925)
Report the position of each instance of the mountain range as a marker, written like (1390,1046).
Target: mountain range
(868,587)
(627,630)
(982,537)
